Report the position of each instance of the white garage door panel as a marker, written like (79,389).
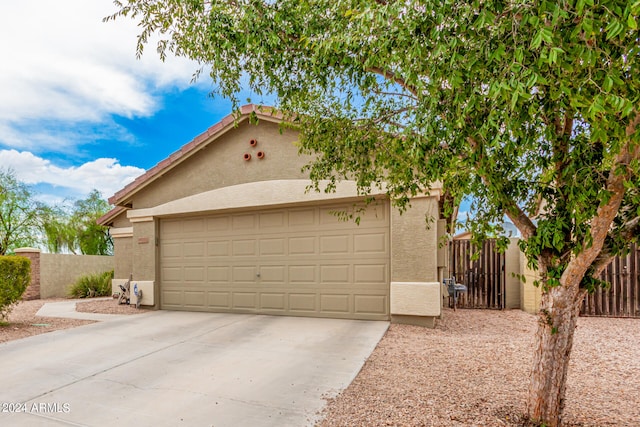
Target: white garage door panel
(301,261)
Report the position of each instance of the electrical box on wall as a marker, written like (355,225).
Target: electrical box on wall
(146,286)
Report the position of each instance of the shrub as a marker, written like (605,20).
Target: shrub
(96,284)
(15,276)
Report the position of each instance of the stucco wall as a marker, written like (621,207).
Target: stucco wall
(144,252)
(444,246)
(414,247)
(59,271)
(511,270)
(221,164)
(123,257)
(415,285)
(530,295)
(121,220)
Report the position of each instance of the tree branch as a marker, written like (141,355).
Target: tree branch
(390,75)
(511,208)
(630,230)
(606,213)
(632,126)
(385,117)
(520,220)
(405,95)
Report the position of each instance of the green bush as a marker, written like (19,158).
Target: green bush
(15,276)
(97,284)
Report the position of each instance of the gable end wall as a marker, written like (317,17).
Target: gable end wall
(221,164)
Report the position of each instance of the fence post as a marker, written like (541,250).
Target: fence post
(33,290)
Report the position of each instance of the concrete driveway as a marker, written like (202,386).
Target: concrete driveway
(168,368)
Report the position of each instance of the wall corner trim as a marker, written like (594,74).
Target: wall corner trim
(140,218)
(27,250)
(120,232)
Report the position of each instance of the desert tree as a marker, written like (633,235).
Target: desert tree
(72,227)
(18,213)
(529,107)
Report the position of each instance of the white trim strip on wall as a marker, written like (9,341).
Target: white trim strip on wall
(118,232)
(256,194)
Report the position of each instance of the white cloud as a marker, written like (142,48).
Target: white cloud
(61,62)
(50,136)
(463,216)
(106,175)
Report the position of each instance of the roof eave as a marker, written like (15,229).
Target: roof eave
(107,218)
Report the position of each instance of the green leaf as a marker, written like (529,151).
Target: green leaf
(608,84)
(532,80)
(537,40)
(547,35)
(627,109)
(514,99)
(614,29)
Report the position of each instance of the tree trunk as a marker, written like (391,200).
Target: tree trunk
(553,342)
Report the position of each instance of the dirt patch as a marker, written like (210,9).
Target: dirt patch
(23,321)
(473,369)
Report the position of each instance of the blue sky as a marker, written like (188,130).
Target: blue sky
(78,111)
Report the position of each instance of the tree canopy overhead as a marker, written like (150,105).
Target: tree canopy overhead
(531,107)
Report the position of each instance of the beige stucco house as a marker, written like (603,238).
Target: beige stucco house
(226,224)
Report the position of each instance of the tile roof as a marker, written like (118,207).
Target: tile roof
(111,215)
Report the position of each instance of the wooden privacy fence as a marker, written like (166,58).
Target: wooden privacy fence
(622,298)
(484,277)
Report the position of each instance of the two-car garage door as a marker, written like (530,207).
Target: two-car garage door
(300,261)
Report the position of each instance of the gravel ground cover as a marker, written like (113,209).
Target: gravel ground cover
(472,370)
(107,307)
